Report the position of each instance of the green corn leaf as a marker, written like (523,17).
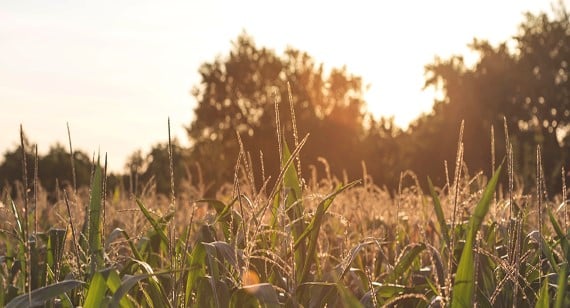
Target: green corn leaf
(128,282)
(563,240)
(409,254)
(321,210)
(132,245)
(156,288)
(155,224)
(344,266)
(294,209)
(439,213)
(158,297)
(383,291)
(212,293)
(313,230)
(226,216)
(291,184)
(55,248)
(288,183)
(95,212)
(20,228)
(543,297)
(195,270)
(348,299)
(2,290)
(545,249)
(96,292)
(464,284)
(562,285)
(114,283)
(41,295)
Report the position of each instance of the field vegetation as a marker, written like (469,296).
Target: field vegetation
(307,240)
(293,195)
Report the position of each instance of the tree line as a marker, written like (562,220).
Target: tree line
(521,84)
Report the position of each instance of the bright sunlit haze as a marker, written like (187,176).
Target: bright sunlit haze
(116,70)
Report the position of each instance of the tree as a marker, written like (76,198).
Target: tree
(237,94)
(11,169)
(544,92)
(54,167)
(155,167)
(527,85)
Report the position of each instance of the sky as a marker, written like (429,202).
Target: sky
(116,70)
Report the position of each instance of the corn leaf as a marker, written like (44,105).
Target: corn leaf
(439,213)
(409,254)
(153,222)
(95,228)
(543,297)
(464,284)
(562,285)
(96,292)
(40,296)
(563,240)
(196,270)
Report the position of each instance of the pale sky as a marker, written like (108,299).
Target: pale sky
(116,70)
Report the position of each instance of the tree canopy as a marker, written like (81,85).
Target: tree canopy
(521,82)
(239,92)
(526,84)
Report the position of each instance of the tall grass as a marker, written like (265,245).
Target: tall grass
(320,242)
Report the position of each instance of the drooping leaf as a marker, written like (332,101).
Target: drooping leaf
(40,296)
(227,252)
(344,266)
(134,249)
(409,254)
(129,281)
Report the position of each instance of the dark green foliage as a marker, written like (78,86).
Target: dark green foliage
(238,93)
